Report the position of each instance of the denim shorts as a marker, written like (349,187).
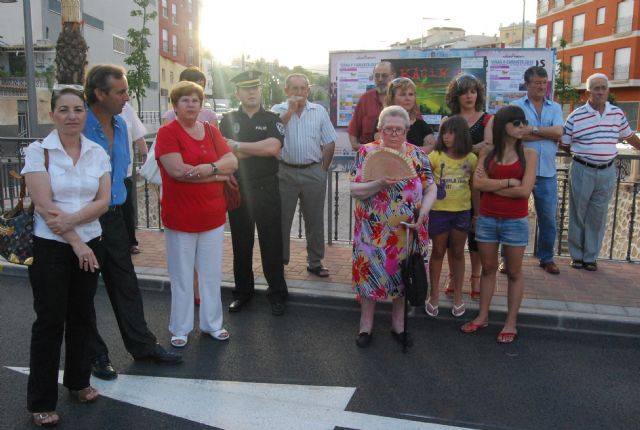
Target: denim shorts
(510,232)
(441,221)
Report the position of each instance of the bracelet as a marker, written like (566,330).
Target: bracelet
(508,183)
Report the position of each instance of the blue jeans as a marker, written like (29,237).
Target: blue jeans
(545,197)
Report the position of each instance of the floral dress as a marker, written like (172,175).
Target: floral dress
(379,241)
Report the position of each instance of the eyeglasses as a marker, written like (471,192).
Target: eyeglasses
(519,122)
(393,131)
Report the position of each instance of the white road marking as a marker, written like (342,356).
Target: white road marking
(244,405)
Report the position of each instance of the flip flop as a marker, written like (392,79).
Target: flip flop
(320,271)
(431,310)
(458,310)
(179,341)
(506,337)
(45,419)
(471,327)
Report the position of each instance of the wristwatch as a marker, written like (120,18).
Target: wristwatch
(235,146)
(535,130)
(215,169)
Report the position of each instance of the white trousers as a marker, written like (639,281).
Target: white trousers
(204,251)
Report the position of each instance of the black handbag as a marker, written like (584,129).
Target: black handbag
(414,274)
(16,226)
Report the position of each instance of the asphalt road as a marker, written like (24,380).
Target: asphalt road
(546,380)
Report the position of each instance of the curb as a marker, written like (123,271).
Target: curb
(535,313)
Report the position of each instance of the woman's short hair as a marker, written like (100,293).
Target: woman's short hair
(192,74)
(185,88)
(75,90)
(396,85)
(459,86)
(393,112)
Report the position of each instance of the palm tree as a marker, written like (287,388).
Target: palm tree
(71,48)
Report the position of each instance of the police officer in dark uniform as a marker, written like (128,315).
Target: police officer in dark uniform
(256,137)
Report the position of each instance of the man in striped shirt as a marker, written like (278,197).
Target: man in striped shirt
(309,143)
(592,132)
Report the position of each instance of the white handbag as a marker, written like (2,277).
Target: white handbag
(150,170)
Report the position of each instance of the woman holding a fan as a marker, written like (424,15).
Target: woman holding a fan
(392,183)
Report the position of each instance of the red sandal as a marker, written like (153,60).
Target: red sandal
(471,327)
(475,295)
(506,337)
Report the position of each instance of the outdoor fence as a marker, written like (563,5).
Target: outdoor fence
(621,242)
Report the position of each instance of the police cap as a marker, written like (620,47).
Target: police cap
(248,79)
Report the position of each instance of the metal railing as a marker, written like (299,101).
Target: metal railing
(621,72)
(576,77)
(577,35)
(622,237)
(150,117)
(623,24)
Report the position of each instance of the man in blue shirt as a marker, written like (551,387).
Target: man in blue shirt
(106,91)
(543,132)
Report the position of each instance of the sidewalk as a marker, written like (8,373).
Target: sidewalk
(611,294)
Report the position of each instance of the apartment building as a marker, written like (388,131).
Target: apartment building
(179,42)
(603,36)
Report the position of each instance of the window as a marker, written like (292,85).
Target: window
(576,70)
(171,77)
(559,3)
(625,16)
(578,28)
(174,13)
(621,64)
(165,10)
(557,33)
(542,36)
(190,27)
(119,44)
(600,15)
(630,110)
(174,45)
(543,7)
(597,60)
(190,5)
(164,76)
(190,55)
(165,40)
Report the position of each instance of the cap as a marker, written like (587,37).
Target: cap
(248,79)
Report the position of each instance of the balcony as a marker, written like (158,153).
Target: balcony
(558,4)
(623,25)
(543,7)
(577,36)
(621,72)
(576,78)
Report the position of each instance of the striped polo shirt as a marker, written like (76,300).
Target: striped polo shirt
(305,135)
(593,136)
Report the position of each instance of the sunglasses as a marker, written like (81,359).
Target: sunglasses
(60,87)
(519,122)
(466,76)
(398,81)
(393,131)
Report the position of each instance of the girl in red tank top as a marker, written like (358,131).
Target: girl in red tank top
(505,175)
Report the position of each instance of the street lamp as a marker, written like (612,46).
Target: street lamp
(424,18)
(524,2)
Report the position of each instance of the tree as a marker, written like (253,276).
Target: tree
(565,92)
(71,48)
(139,76)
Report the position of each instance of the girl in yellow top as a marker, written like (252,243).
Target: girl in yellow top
(450,219)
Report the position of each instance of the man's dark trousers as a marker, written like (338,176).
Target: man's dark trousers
(121,283)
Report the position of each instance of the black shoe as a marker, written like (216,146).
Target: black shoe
(161,356)
(277,308)
(237,304)
(399,337)
(364,339)
(102,368)
(576,264)
(591,266)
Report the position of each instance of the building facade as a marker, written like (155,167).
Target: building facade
(511,35)
(179,40)
(603,36)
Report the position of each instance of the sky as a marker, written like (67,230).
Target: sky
(303,32)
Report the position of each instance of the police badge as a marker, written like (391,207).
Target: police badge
(280,127)
(236,128)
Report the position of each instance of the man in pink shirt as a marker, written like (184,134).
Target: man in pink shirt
(365,116)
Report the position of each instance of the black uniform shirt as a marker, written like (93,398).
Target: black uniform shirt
(238,126)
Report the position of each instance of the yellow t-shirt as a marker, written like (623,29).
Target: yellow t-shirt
(452,178)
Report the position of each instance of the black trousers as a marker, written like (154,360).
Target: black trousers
(121,283)
(260,207)
(129,213)
(63,302)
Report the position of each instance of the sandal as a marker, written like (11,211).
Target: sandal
(221,334)
(135,249)
(506,337)
(45,419)
(86,395)
(458,310)
(474,294)
(431,310)
(471,327)
(448,291)
(320,271)
(179,341)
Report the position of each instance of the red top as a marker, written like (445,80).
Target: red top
(497,206)
(187,206)
(365,117)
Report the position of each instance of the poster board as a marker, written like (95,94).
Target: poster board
(351,74)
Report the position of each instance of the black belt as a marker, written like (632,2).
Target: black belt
(115,208)
(299,166)
(593,165)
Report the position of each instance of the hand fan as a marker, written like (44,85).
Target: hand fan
(388,162)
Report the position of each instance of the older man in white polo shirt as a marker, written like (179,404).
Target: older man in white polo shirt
(592,131)
(309,143)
